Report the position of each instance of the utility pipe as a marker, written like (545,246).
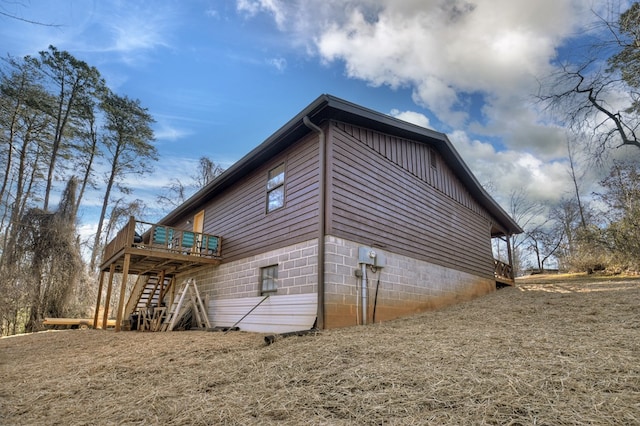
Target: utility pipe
(322,202)
(375,300)
(233,327)
(364,293)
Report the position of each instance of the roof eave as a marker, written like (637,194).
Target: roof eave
(287,133)
(392,125)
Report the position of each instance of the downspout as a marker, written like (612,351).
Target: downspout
(322,203)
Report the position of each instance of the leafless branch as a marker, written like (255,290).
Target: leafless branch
(28,21)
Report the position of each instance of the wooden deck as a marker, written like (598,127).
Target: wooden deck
(159,248)
(144,249)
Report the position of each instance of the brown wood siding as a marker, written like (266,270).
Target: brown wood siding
(414,157)
(380,197)
(239,214)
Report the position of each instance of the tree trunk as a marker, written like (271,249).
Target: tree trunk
(105,204)
(576,188)
(7,171)
(62,118)
(89,168)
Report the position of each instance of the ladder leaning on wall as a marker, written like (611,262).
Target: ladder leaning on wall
(187,297)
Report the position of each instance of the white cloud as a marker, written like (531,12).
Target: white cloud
(165,131)
(280,64)
(274,7)
(132,30)
(412,117)
(135,32)
(434,94)
(443,50)
(510,171)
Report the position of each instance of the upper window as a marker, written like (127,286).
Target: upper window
(269,279)
(275,188)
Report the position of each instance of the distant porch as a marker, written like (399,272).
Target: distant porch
(155,253)
(502,268)
(503,273)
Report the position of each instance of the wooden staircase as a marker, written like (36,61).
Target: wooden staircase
(148,298)
(150,295)
(146,292)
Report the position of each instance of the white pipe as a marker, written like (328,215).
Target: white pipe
(364,293)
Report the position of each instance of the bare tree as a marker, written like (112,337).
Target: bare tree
(568,221)
(622,190)
(526,213)
(600,101)
(544,243)
(120,213)
(613,242)
(16,17)
(176,192)
(207,171)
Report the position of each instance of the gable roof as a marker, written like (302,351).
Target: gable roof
(328,107)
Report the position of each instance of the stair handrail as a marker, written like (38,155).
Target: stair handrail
(136,293)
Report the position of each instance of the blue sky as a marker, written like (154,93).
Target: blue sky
(220,76)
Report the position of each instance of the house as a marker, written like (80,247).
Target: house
(389,210)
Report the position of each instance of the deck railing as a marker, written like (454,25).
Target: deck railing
(124,238)
(163,238)
(502,271)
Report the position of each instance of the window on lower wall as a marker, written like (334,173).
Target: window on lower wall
(275,188)
(268,280)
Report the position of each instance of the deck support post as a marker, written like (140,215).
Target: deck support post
(97,312)
(510,255)
(107,302)
(123,289)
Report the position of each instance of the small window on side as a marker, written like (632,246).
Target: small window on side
(268,280)
(275,188)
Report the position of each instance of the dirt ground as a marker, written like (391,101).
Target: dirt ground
(563,351)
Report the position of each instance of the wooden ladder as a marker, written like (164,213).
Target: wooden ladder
(182,303)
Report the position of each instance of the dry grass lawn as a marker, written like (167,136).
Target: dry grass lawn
(563,351)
